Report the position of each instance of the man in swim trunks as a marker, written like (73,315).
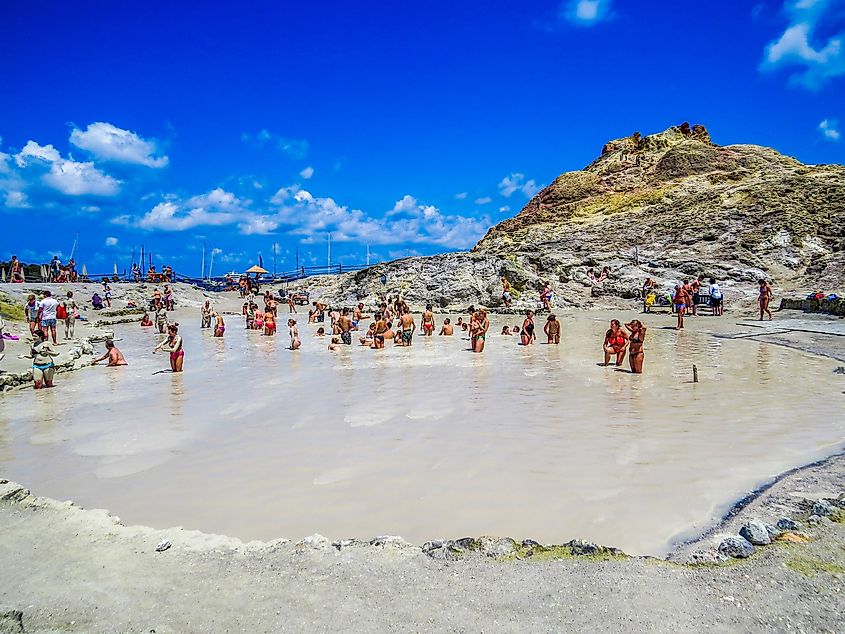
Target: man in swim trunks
(358,315)
(344,325)
(428,321)
(447,330)
(681,301)
(378,333)
(407,324)
(47,315)
(114,356)
(205,313)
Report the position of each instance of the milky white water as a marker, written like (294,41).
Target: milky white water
(256,441)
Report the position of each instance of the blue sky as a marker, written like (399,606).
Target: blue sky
(408,127)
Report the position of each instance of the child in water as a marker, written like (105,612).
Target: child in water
(295,342)
(335,344)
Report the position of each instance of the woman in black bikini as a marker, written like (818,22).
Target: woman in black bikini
(527,334)
(635,342)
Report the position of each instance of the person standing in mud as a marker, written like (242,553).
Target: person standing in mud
(71,314)
(220,325)
(408,326)
(428,321)
(205,313)
(173,345)
(615,343)
(765,298)
(378,332)
(161,314)
(681,301)
(478,330)
(552,330)
(344,325)
(507,298)
(527,335)
(635,345)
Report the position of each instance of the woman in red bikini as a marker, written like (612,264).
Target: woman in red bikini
(173,345)
(615,342)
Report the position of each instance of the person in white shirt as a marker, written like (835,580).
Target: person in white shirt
(47,316)
(715,297)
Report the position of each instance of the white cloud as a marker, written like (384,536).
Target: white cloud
(216,208)
(294,148)
(111,241)
(258,225)
(66,175)
(307,173)
(830,129)
(483,201)
(110,143)
(16,199)
(818,58)
(504,209)
(586,12)
(514,183)
(461,196)
(285,193)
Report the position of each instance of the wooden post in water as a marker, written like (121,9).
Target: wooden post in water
(694,373)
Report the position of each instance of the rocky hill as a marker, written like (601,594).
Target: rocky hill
(669,205)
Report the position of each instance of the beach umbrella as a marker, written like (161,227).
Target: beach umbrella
(256,269)
(43,272)
(3,275)
(115,268)
(84,271)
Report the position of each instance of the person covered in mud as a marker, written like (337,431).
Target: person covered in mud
(173,345)
(358,316)
(552,330)
(615,343)
(446,329)
(335,344)
(367,339)
(161,314)
(391,334)
(527,336)
(146,322)
(506,330)
(635,345)
(205,313)
(428,321)
(269,324)
(113,354)
(321,332)
(764,298)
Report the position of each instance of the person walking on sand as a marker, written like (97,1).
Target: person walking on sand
(527,335)
(48,315)
(615,343)
(173,345)
(546,297)
(716,297)
(291,305)
(31,309)
(552,330)
(428,321)
(43,368)
(344,325)
(205,313)
(635,347)
(681,301)
(107,293)
(71,315)
(219,324)
(113,354)
(295,341)
(765,298)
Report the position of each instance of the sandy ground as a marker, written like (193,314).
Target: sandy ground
(64,569)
